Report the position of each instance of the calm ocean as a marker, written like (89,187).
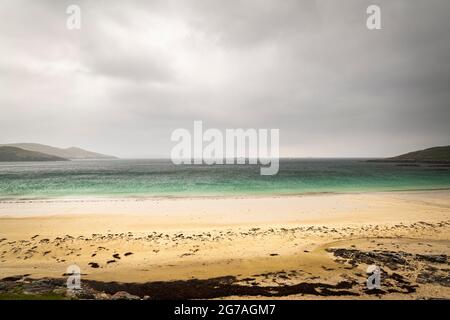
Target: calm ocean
(162,178)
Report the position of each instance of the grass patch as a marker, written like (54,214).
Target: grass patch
(22,296)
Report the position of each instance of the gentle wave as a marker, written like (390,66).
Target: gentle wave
(160,178)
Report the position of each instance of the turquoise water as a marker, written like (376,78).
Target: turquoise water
(162,178)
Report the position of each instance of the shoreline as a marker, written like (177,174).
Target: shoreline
(212,210)
(105,198)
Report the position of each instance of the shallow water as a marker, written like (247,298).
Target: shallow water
(162,178)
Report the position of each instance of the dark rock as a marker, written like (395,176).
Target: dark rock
(42,286)
(442,258)
(7,285)
(15,278)
(439,278)
(389,258)
(123,295)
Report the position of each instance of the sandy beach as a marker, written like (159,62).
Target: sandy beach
(291,247)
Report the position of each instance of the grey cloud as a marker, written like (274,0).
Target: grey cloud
(111,61)
(138,70)
(252,22)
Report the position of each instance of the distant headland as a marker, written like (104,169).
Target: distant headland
(40,152)
(430,155)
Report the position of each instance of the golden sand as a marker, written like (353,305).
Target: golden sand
(251,238)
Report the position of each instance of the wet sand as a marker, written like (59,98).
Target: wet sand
(291,247)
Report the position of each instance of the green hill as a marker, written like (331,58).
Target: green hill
(16,154)
(430,155)
(72,153)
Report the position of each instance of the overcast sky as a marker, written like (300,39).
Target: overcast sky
(137,70)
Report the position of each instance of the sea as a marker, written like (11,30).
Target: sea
(161,178)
